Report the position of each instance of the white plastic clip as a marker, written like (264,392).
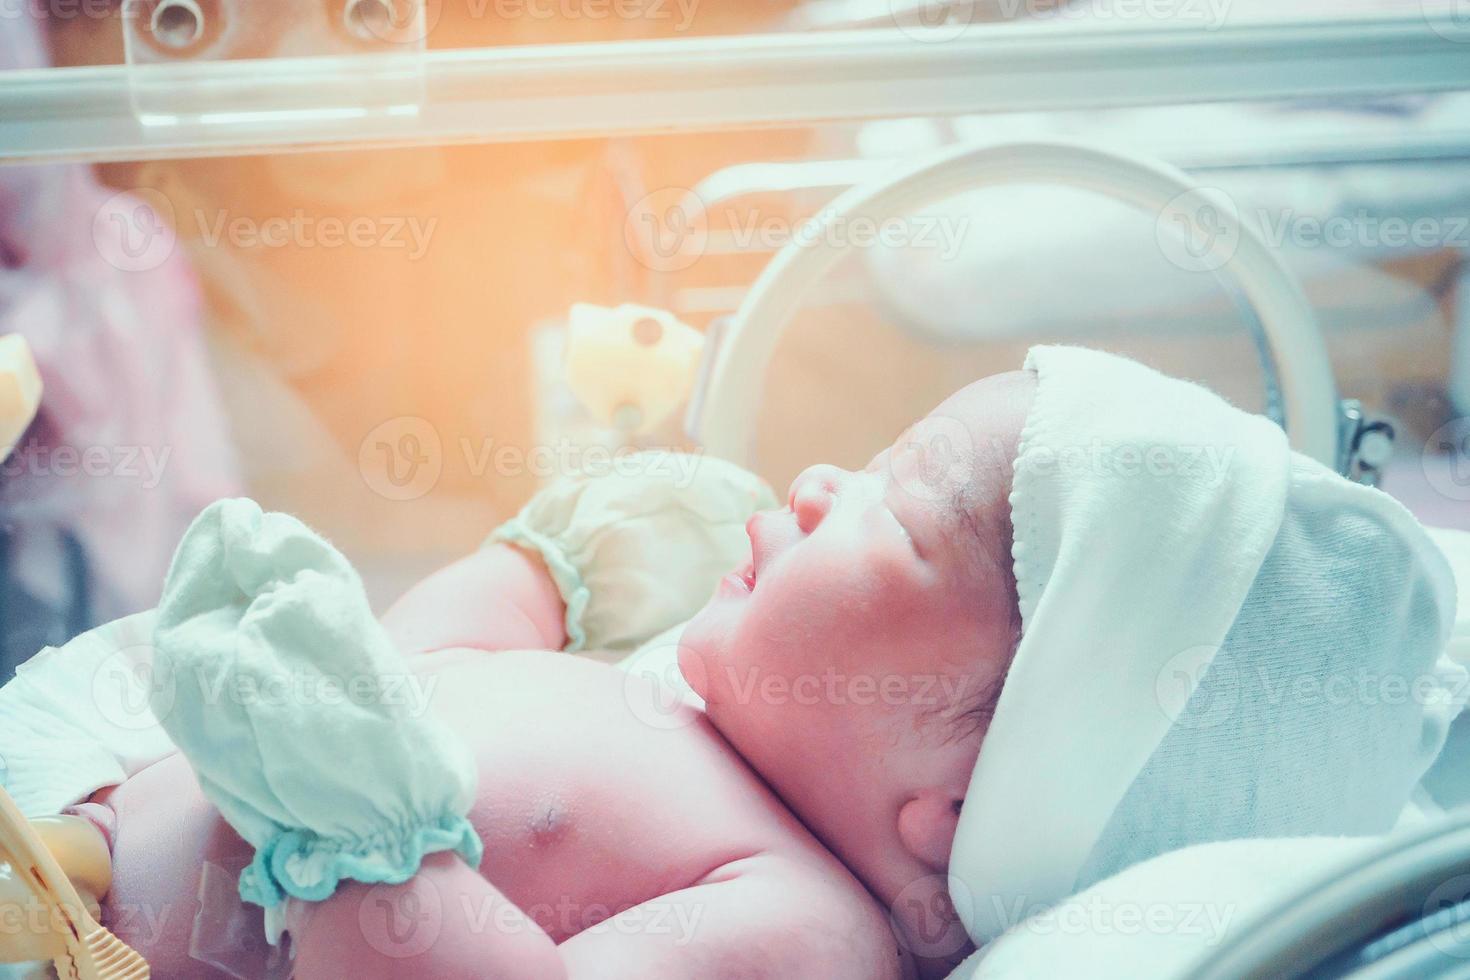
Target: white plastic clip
(631,366)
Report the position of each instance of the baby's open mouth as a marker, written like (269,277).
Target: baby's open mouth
(741,580)
(759,553)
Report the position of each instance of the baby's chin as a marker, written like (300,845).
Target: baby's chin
(702,643)
(710,667)
(707,638)
(692,666)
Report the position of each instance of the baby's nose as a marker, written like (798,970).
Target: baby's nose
(812,494)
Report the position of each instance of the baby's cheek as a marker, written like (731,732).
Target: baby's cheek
(948,618)
(802,622)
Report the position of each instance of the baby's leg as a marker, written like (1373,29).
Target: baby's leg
(499,598)
(166,835)
(447,922)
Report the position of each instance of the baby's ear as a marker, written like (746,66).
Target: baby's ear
(927,825)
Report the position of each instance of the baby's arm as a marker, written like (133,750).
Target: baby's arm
(499,598)
(447,922)
(763,916)
(592,563)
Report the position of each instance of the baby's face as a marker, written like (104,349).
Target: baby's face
(852,662)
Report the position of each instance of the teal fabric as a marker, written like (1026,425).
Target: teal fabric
(568,577)
(307,729)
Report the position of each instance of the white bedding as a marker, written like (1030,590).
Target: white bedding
(1456,546)
(1161,917)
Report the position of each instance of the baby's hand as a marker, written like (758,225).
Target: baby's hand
(641,549)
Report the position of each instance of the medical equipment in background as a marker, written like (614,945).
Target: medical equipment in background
(165,32)
(632,366)
(1401,913)
(1292,347)
(1301,389)
(573,91)
(708,83)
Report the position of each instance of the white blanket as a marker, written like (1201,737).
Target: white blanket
(1161,918)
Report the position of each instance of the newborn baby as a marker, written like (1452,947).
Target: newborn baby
(936,695)
(622,835)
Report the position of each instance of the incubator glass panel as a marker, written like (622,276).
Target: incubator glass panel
(960,289)
(387,341)
(145,32)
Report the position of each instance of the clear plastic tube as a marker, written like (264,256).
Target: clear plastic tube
(580,90)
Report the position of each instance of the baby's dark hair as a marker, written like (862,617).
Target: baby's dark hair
(988,529)
(972,714)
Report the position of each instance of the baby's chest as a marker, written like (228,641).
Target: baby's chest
(585,807)
(572,859)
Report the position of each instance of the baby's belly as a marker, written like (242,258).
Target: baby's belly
(587,804)
(593,798)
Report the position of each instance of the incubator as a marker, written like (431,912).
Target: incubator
(393,266)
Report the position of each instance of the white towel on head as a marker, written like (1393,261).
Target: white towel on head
(1220,639)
